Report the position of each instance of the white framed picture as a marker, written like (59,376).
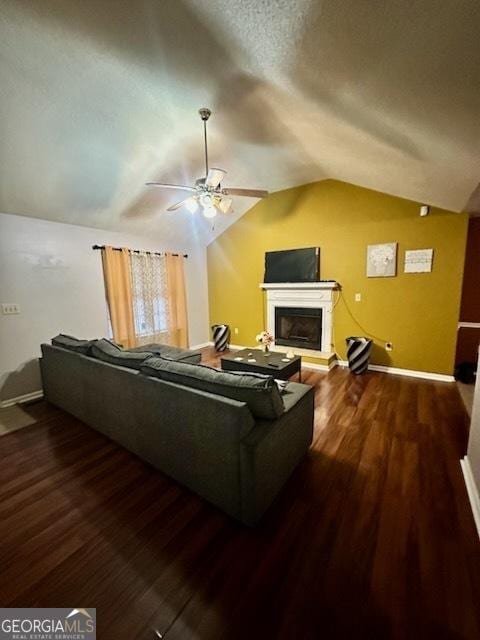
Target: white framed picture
(418,261)
(382,260)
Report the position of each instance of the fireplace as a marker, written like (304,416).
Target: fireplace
(298,327)
(309,332)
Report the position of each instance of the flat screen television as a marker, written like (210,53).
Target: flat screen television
(293,265)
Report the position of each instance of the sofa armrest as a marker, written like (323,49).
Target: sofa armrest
(293,393)
(270,452)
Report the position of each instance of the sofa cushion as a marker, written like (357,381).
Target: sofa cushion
(258,391)
(108,351)
(73,344)
(180,355)
(171,353)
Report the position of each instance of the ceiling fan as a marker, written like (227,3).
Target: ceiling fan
(208,192)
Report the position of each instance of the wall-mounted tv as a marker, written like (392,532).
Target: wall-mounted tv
(293,265)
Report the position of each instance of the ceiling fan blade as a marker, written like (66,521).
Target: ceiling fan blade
(190,203)
(214,177)
(181,187)
(225,205)
(251,193)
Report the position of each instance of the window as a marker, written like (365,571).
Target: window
(146,297)
(149,297)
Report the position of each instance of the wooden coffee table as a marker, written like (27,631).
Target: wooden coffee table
(255,360)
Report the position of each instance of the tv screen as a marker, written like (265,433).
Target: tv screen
(294,265)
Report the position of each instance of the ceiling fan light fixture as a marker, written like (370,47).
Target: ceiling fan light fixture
(206,200)
(225,205)
(210,211)
(191,204)
(214,177)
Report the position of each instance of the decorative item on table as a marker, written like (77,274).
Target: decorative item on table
(266,339)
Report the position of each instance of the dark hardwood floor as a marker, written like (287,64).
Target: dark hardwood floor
(372,537)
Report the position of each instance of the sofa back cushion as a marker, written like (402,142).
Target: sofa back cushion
(108,351)
(73,344)
(169,352)
(258,391)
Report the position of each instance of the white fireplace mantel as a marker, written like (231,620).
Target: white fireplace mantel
(326,284)
(317,295)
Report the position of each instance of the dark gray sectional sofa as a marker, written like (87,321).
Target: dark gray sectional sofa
(230,437)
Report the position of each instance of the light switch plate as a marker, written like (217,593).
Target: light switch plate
(358,297)
(10,309)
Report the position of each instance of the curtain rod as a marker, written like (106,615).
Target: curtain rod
(153,253)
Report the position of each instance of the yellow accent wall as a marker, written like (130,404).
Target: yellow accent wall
(418,313)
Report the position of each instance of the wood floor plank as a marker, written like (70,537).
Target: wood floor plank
(372,537)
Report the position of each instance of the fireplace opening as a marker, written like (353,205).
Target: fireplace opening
(298,327)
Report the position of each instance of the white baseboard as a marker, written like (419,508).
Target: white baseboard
(319,367)
(211,344)
(27,397)
(472,491)
(426,375)
(411,373)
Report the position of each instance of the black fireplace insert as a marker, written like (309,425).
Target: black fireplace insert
(298,327)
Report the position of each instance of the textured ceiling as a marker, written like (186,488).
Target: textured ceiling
(99,96)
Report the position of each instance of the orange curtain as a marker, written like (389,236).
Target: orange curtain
(118,289)
(177,300)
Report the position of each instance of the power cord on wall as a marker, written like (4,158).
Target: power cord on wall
(367,333)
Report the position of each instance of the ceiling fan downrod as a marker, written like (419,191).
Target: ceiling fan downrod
(205,114)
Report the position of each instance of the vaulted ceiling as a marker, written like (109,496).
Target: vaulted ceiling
(99,96)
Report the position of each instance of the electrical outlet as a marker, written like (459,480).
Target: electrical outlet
(9,309)
(388,346)
(358,297)
(235,331)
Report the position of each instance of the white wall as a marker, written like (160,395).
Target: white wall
(472,462)
(473,452)
(51,271)
(474,439)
